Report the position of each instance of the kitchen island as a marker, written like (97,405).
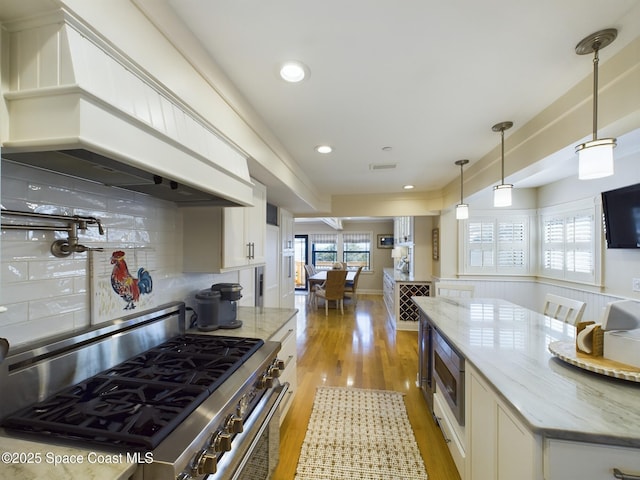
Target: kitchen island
(556,420)
(24,459)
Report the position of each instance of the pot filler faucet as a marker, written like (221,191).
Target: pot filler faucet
(64,247)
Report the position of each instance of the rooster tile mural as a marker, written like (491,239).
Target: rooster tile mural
(121,282)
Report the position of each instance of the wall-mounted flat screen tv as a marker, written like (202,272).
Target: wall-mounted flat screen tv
(621,208)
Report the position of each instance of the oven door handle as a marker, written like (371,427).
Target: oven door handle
(268,406)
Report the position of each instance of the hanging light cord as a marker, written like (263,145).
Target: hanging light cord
(502,150)
(596,47)
(461,195)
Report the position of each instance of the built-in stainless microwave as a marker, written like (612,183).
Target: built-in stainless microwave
(448,372)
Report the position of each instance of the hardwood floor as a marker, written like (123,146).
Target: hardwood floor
(358,349)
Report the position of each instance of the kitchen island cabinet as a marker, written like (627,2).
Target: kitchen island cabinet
(397,290)
(218,239)
(528,414)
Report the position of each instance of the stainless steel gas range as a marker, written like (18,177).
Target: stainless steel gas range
(180,406)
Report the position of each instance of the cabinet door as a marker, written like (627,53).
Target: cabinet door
(286,231)
(588,461)
(287,282)
(516,448)
(256,226)
(501,447)
(235,248)
(482,413)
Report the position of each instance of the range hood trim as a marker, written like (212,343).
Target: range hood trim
(140,128)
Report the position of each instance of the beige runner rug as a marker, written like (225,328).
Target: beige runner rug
(359,434)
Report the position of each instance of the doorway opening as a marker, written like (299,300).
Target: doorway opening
(301,256)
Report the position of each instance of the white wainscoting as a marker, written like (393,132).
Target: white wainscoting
(531,293)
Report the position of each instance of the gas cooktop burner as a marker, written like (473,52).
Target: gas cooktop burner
(140,401)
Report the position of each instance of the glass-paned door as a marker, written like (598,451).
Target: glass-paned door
(301,256)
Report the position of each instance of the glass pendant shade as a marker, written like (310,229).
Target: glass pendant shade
(462,211)
(502,195)
(595,158)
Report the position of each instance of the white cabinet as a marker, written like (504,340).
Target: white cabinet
(587,461)
(287,260)
(287,235)
(288,354)
(500,446)
(217,239)
(454,434)
(403,230)
(244,232)
(287,281)
(389,294)
(397,298)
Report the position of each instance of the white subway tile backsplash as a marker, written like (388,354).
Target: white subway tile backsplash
(46,295)
(33,330)
(71,266)
(50,307)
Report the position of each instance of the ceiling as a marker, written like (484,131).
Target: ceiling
(426,78)
(416,84)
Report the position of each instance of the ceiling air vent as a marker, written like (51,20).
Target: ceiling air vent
(381,166)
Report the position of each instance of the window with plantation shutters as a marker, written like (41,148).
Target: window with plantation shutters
(512,244)
(481,241)
(497,245)
(569,245)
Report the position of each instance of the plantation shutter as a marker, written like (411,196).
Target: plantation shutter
(481,244)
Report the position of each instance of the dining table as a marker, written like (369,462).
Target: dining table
(320,277)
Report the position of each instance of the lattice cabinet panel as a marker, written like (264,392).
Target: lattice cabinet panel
(408,310)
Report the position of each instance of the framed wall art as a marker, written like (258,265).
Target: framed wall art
(385,240)
(435,241)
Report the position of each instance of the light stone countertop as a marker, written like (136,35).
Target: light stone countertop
(26,460)
(508,345)
(400,277)
(257,322)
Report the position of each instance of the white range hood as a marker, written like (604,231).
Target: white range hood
(80,107)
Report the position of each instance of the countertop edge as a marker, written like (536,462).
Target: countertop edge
(536,423)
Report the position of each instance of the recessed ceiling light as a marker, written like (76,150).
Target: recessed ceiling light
(294,71)
(408,187)
(324,149)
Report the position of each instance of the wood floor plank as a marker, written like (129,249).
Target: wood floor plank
(359,349)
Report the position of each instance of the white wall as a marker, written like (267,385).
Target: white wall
(619,265)
(46,295)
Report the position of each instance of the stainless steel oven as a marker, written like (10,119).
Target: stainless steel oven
(448,371)
(198,406)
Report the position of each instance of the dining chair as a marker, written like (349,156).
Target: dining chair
(351,288)
(333,289)
(313,285)
(453,290)
(562,308)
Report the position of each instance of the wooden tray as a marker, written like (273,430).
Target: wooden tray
(566,351)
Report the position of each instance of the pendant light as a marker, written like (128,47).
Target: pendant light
(595,158)
(462,209)
(502,192)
